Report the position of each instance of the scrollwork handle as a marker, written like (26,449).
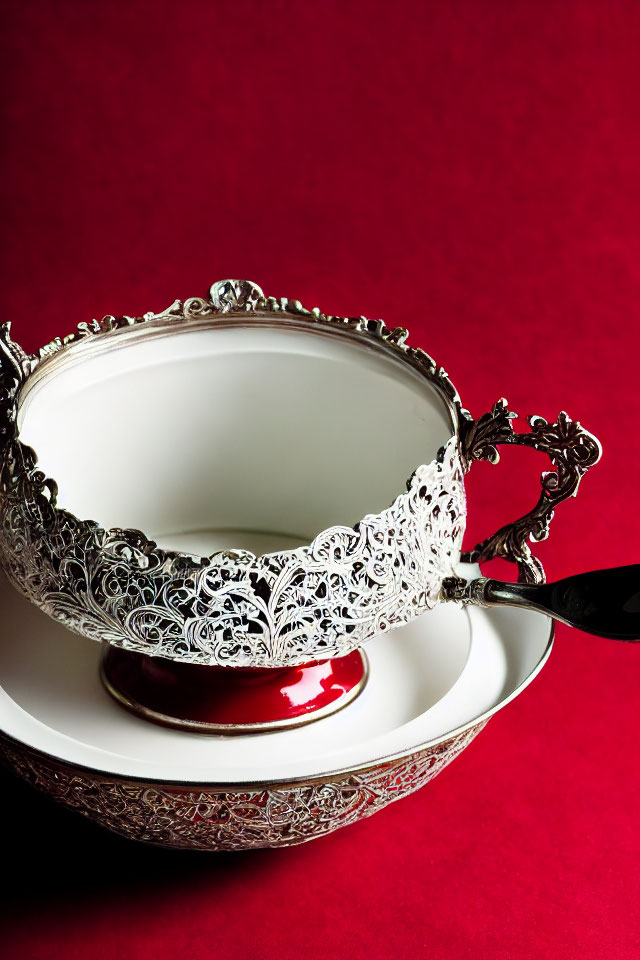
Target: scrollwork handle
(572,450)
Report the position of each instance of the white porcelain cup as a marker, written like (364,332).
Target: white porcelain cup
(298,478)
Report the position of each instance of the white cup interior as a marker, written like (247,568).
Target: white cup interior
(252,435)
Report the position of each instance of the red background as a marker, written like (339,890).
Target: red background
(470,169)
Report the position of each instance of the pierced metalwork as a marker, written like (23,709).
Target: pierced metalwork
(234,608)
(232,818)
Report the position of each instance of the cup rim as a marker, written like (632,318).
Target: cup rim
(114,333)
(380,576)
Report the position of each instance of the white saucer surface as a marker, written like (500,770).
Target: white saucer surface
(429,679)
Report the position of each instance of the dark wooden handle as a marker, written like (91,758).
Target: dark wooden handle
(603,602)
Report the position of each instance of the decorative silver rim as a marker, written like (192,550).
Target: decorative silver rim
(322,600)
(207,819)
(234,608)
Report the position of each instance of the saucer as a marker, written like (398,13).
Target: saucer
(433,684)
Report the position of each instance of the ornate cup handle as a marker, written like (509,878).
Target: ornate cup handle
(572,451)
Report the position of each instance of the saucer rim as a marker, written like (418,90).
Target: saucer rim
(333,776)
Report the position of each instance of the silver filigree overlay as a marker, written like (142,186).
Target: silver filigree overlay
(289,607)
(232,818)
(234,608)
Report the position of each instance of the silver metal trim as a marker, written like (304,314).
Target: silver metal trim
(227,608)
(232,608)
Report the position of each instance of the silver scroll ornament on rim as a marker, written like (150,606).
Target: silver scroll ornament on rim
(237,609)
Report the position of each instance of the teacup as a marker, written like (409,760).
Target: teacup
(242,482)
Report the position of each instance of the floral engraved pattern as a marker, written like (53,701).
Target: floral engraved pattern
(215,818)
(284,608)
(236,609)
(232,608)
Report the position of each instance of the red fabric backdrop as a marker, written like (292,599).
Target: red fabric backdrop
(470,169)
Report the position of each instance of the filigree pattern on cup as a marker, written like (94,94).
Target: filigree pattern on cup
(290,607)
(231,608)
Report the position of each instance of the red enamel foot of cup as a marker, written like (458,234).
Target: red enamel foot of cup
(231,699)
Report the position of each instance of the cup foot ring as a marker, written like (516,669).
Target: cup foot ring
(231,700)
